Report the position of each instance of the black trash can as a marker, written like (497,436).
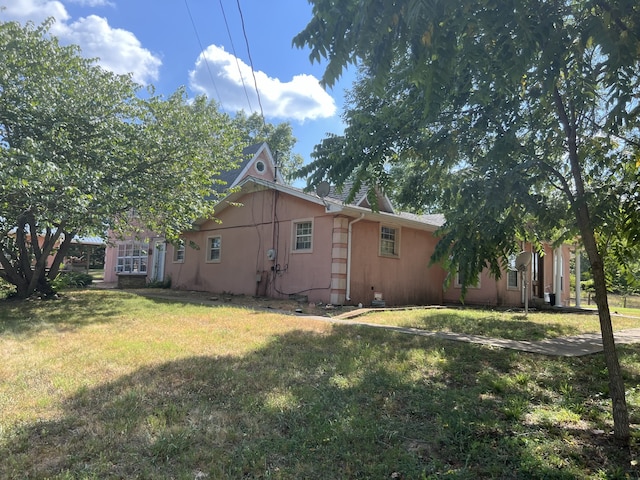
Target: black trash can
(552,299)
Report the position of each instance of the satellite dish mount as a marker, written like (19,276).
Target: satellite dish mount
(523,260)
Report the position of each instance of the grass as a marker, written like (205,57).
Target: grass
(512,325)
(105,384)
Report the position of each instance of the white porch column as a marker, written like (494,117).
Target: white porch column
(578,276)
(558,279)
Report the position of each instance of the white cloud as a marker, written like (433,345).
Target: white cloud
(118,50)
(35,10)
(92,3)
(300,99)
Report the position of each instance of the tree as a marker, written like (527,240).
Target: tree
(522,114)
(279,138)
(79,150)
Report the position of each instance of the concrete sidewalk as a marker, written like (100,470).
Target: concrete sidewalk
(575,346)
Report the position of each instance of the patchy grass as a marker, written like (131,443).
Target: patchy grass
(500,323)
(105,384)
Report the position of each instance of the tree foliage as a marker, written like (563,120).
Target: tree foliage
(80,149)
(517,118)
(279,138)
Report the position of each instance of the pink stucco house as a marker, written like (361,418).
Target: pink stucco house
(271,239)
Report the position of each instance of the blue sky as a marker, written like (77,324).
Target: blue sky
(165,44)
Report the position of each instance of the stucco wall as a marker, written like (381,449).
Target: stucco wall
(497,292)
(403,280)
(247,233)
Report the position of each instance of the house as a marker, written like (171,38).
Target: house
(140,259)
(272,239)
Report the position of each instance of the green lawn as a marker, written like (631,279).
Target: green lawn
(105,384)
(502,324)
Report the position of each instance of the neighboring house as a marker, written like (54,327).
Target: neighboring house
(84,252)
(275,240)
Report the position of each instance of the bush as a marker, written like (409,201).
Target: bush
(160,284)
(6,289)
(72,279)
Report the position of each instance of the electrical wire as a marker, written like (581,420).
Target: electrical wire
(233,49)
(193,24)
(253,72)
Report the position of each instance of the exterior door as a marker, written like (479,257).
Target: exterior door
(157,260)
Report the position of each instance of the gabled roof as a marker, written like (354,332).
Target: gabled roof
(249,156)
(360,199)
(251,184)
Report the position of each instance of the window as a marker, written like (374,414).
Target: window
(389,241)
(132,257)
(302,235)
(214,246)
(260,166)
(460,280)
(512,273)
(179,251)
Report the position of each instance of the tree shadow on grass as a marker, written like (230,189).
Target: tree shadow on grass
(515,328)
(73,309)
(355,403)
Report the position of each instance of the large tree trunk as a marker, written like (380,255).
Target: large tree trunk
(616,383)
(27,270)
(578,200)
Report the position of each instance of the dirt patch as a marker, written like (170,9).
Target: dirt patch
(289,306)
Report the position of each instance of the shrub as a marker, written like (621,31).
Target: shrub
(6,289)
(160,283)
(72,279)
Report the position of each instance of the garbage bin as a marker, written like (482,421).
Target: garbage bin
(552,299)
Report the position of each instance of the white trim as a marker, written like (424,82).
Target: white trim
(396,241)
(242,176)
(181,246)
(349,242)
(208,258)
(127,262)
(515,287)
(294,235)
(511,267)
(252,184)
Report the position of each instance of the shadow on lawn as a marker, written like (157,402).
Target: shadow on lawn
(517,327)
(357,403)
(74,309)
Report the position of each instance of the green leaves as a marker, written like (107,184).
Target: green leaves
(80,148)
(481,86)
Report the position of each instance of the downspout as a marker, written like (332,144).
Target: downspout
(350,230)
(558,280)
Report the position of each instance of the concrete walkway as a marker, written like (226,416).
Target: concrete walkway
(575,346)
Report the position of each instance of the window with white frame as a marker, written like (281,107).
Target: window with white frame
(302,235)
(214,249)
(513,274)
(179,251)
(389,241)
(133,256)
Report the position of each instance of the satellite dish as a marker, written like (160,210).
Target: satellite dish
(322,189)
(523,260)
